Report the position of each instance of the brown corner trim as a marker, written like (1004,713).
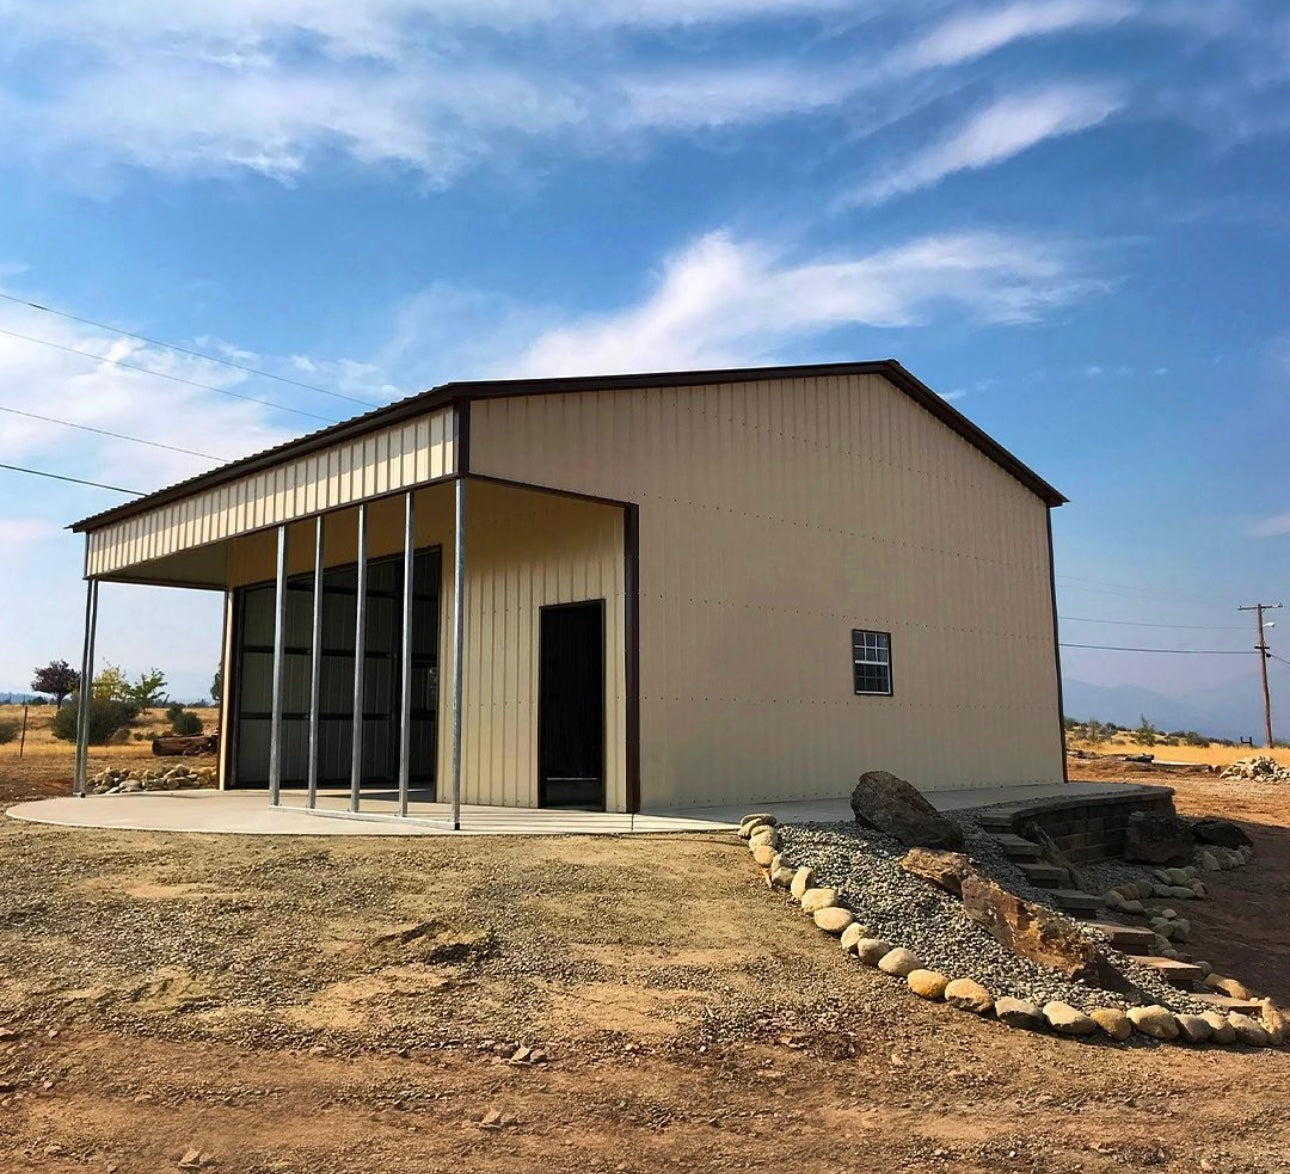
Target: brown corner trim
(461,409)
(632,622)
(1057,652)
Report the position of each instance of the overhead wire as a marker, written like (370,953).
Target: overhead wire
(1146,624)
(187,351)
(1178,651)
(74,480)
(164,375)
(114,435)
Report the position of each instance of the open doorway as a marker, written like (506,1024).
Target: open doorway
(571,706)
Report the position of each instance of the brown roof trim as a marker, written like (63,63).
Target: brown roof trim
(464,390)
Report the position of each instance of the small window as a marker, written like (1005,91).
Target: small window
(871,661)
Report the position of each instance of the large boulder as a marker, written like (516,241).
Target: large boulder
(1222,832)
(888,804)
(1037,933)
(946,870)
(1158,837)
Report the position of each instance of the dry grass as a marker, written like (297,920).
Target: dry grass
(1214,755)
(41,743)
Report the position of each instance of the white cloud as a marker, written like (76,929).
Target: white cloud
(23,532)
(721,301)
(1273,527)
(1006,128)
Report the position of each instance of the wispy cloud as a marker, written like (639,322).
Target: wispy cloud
(1273,527)
(724,301)
(1006,128)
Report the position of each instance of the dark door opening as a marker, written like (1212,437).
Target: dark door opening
(571,706)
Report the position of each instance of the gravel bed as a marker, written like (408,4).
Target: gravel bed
(864,866)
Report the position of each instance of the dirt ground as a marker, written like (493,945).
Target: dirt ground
(335,1005)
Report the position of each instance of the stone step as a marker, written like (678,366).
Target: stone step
(1040,872)
(1017,847)
(1181,974)
(1227,1003)
(1075,900)
(995,820)
(1128,939)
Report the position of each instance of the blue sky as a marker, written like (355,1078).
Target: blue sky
(1069,216)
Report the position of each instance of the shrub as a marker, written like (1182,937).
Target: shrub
(8,730)
(185,722)
(173,710)
(107,718)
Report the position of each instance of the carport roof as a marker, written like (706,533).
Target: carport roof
(462,391)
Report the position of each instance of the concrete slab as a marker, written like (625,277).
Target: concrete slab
(249,813)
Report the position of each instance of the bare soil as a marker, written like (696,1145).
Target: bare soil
(336,1005)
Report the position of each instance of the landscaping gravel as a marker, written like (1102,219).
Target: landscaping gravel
(864,866)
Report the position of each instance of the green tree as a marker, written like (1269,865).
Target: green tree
(111,684)
(1146,734)
(217,684)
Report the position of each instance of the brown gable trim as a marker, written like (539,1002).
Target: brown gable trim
(463,391)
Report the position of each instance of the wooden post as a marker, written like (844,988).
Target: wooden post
(22,741)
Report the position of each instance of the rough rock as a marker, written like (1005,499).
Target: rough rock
(764,854)
(1193,1029)
(1274,1022)
(1209,862)
(946,870)
(927,984)
(803,879)
(1156,1021)
(781,878)
(1113,1021)
(851,935)
(816,899)
(832,919)
(1018,1013)
(871,951)
(757,817)
(900,962)
(969,995)
(882,801)
(1248,1030)
(1220,1031)
(1231,987)
(1038,934)
(764,835)
(1222,832)
(1158,837)
(1066,1020)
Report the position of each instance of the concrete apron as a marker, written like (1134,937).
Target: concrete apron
(249,813)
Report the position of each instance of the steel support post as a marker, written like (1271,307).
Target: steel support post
(279,637)
(84,693)
(360,653)
(458,634)
(315,665)
(405,664)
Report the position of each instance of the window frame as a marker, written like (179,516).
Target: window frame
(856,637)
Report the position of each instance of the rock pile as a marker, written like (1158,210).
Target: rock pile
(936,972)
(115,780)
(1262,767)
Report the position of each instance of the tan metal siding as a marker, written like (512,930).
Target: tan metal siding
(776,517)
(395,458)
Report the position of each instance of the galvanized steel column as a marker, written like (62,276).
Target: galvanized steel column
(458,630)
(405,695)
(279,636)
(315,665)
(360,651)
(83,696)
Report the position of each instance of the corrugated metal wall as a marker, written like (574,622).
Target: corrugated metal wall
(524,550)
(775,517)
(381,462)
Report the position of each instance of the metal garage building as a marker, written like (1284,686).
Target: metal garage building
(680,589)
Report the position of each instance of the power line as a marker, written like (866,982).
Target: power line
(1144,624)
(1179,651)
(185,351)
(115,435)
(58,346)
(1117,588)
(74,480)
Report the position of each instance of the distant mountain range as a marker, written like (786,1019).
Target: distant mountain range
(1228,711)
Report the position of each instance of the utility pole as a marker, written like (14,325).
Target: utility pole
(1258,609)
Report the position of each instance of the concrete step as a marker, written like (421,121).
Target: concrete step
(1017,847)
(1075,901)
(995,820)
(1040,872)
(1128,939)
(1181,974)
(1227,1003)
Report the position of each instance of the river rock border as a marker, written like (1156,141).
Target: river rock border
(760,829)
(115,780)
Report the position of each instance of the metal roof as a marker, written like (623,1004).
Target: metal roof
(465,390)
